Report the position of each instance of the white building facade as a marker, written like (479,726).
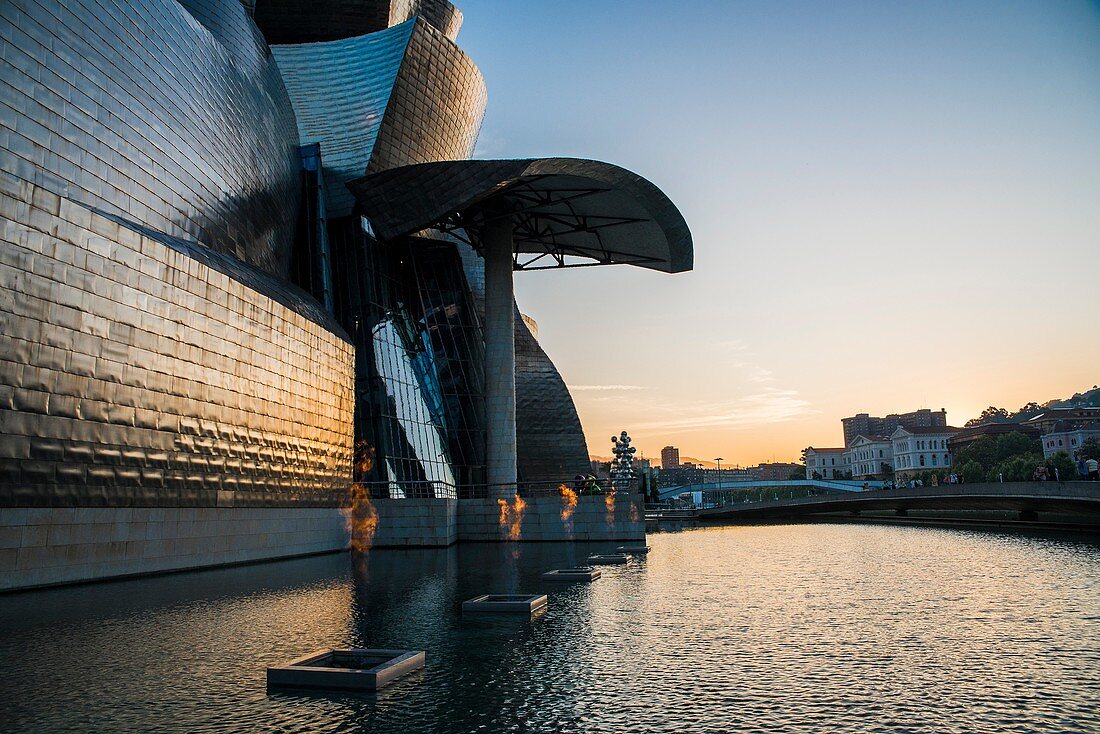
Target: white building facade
(918,450)
(831,463)
(1068,440)
(870,457)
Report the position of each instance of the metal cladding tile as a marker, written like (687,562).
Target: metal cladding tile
(213,98)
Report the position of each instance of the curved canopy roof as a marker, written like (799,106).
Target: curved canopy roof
(563,208)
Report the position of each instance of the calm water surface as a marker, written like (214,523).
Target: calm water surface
(811,628)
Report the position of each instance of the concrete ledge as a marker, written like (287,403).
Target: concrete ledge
(49,546)
(357,669)
(505,603)
(548,519)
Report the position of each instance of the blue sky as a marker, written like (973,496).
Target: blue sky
(894,205)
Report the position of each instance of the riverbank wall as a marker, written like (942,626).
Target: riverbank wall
(48,546)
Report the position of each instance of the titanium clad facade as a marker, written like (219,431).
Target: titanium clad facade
(138,370)
(436,107)
(340,91)
(550,443)
(403,95)
(178,122)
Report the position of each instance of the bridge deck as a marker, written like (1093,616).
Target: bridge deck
(1028,497)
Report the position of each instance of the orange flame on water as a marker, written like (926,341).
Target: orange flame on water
(568,502)
(360,519)
(511,517)
(609,503)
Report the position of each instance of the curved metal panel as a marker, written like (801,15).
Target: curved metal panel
(550,443)
(177,120)
(138,371)
(562,207)
(340,91)
(399,96)
(436,108)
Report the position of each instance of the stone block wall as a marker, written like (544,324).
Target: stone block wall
(44,546)
(431,522)
(542,520)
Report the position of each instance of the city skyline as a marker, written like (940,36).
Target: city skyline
(876,193)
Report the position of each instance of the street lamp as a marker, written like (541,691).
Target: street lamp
(719,460)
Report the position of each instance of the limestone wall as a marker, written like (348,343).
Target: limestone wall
(542,519)
(415,522)
(43,546)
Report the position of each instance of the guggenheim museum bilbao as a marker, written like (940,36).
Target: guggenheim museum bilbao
(248,265)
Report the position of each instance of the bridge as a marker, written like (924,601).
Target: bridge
(1075,502)
(762,487)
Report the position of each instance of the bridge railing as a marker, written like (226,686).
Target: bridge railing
(763,491)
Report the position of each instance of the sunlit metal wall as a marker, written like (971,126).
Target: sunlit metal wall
(140,370)
(403,95)
(436,107)
(176,121)
(340,91)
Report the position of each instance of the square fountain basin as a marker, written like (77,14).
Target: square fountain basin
(521,603)
(614,559)
(584,573)
(633,550)
(354,669)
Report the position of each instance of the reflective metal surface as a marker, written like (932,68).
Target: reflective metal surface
(796,629)
(402,95)
(176,121)
(559,207)
(140,370)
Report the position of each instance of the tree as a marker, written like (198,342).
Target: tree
(972,472)
(1010,445)
(1019,468)
(1062,467)
(982,452)
(797,474)
(1027,411)
(992,414)
(1090,449)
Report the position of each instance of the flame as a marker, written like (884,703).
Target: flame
(568,502)
(609,502)
(634,515)
(360,519)
(511,517)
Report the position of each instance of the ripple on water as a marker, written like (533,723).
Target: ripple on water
(761,629)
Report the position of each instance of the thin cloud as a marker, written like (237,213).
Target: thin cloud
(768,406)
(604,388)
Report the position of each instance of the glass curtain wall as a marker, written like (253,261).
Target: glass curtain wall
(408,309)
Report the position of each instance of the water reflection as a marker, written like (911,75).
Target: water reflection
(792,628)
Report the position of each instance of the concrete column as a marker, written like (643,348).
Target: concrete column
(500,360)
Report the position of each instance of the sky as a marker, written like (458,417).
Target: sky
(894,205)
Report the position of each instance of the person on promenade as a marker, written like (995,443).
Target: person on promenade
(1093,467)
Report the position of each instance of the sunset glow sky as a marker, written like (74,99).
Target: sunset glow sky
(894,205)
